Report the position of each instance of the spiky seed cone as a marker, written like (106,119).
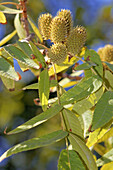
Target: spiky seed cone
(58,30)
(57,53)
(76,40)
(101,54)
(66,15)
(44,25)
(108,53)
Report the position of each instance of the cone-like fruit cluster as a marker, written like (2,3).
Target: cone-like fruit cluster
(58,30)
(106,53)
(66,15)
(66,39)
(76,40)
(44,22)
(57,53)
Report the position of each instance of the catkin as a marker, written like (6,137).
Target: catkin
(58,30)
(66,15)
(76,40)
(57,53)
(44,22)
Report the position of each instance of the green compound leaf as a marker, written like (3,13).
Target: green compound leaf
(82,106)
(37,120)
(109,80)
(44,88)
(80,91)
(98,134)
(109,65)
(7,10)
(7,38)
(70,160)
(80,147)
(8,58)
(35,143)
(20,31)
(38,54)
(9,83)
(72,123)
(35,29)
(103,111)
(20,56)
(85,66)
(36,85)
(24,46)
(106,158)
(95,58)
(7,70)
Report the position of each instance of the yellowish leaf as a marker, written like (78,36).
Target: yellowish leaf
(108,166)
(107,135)
(35,29)
(7,38)
(2,18)
(101,150)
(98,134)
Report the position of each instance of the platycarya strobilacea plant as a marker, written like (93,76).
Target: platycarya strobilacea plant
(86,110)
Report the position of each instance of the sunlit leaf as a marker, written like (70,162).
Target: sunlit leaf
(35,143)
(9,83)
(7,57)
(80,147)
(23,66)
(36,85)
(20,56)
(20,31)
(44,88)
(109,79)
(72,123)
(109,65)
(107,135)
(85,120)
(7,10)
(99,148)
(81,106)
(2,18)
(70,160)
(38,54)
(85,66)
(7,70)
(106,158)
(63,67)
(7,38)
(35,29)
(37,120)
(92,56)
(103,111)
(98,134)
(25,47)
(108,166)
(78,92)
(69,84)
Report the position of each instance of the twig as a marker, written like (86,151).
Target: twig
(24,16)
(58,94)
(41,45)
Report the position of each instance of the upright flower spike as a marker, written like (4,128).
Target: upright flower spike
(66,15)
(76,40)
(44,22)
(57,53)
(58,30)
